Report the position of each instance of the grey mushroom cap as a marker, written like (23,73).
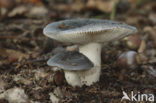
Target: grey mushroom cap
(70,61)
(83,31)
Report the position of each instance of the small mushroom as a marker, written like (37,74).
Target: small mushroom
(89,34)
(71,62)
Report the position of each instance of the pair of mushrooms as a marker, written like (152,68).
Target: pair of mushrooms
(84,67)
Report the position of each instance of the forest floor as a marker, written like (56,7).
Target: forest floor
(24,51)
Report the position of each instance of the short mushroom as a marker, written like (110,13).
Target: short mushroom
(89,34)
(71,62)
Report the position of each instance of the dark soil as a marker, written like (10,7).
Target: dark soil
(24,51)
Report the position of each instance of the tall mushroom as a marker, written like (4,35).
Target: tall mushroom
(89,34)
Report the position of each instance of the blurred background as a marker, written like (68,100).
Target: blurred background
(24,50)
(63,9)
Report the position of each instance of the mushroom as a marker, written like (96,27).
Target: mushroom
(89,34)
(71,62)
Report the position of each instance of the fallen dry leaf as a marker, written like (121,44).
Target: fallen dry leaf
(37,11)
(105,6)
(36,1)
(77,6)
(134,3)
(19,10)
(53,98)
(7,3)
(14,55)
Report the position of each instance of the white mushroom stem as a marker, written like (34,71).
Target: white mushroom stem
(87,77)
(93,52)
(72,78)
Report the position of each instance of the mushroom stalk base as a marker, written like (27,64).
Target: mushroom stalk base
(93,52)
(87,77)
